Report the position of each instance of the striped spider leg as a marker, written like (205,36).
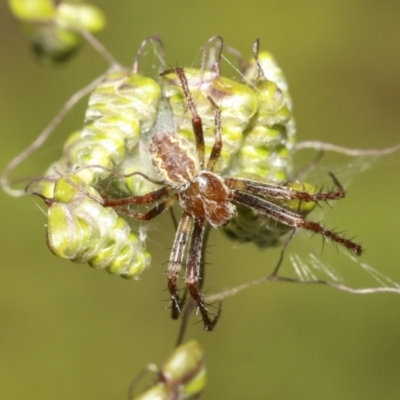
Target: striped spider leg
(209,198)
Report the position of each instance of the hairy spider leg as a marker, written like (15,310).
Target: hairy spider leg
(279,191)
(176,261)
(151,197)
(197,123)
(193,274)
(154,212)
(216,150)
(292,219)
(118,204)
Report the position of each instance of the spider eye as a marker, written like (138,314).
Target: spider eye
(203,183)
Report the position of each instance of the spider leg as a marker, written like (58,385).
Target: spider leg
(154,212)
(216,65)
(196,120)
(216,150)
(278,191)
(290,218)
(151,197)
(206,235)
(174,220)
(176,261)
(156,39)
(193,273)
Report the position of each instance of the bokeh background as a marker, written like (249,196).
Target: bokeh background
(69,332)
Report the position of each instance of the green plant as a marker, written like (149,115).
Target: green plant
(131,181)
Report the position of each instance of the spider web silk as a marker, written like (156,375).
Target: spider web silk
(310,258)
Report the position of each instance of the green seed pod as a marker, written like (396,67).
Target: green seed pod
(269,139)
(271,71)
(266,152)
(120,109)
(183,376)
(136,185)
(82,230)
(159,391)
(238,103)
(54,27)
(33,10)
(274,73)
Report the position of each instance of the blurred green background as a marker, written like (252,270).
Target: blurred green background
(69,332)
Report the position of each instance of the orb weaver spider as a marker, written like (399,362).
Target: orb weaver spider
(209,198)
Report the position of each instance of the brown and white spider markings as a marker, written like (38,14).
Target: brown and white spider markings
(207,197)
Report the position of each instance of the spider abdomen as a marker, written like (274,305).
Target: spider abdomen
(174,158)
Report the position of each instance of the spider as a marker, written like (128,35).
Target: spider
(209,198)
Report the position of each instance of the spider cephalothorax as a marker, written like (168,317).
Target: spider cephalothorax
(206,197)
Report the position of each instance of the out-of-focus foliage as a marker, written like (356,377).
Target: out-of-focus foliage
(53,27)
(182,376)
